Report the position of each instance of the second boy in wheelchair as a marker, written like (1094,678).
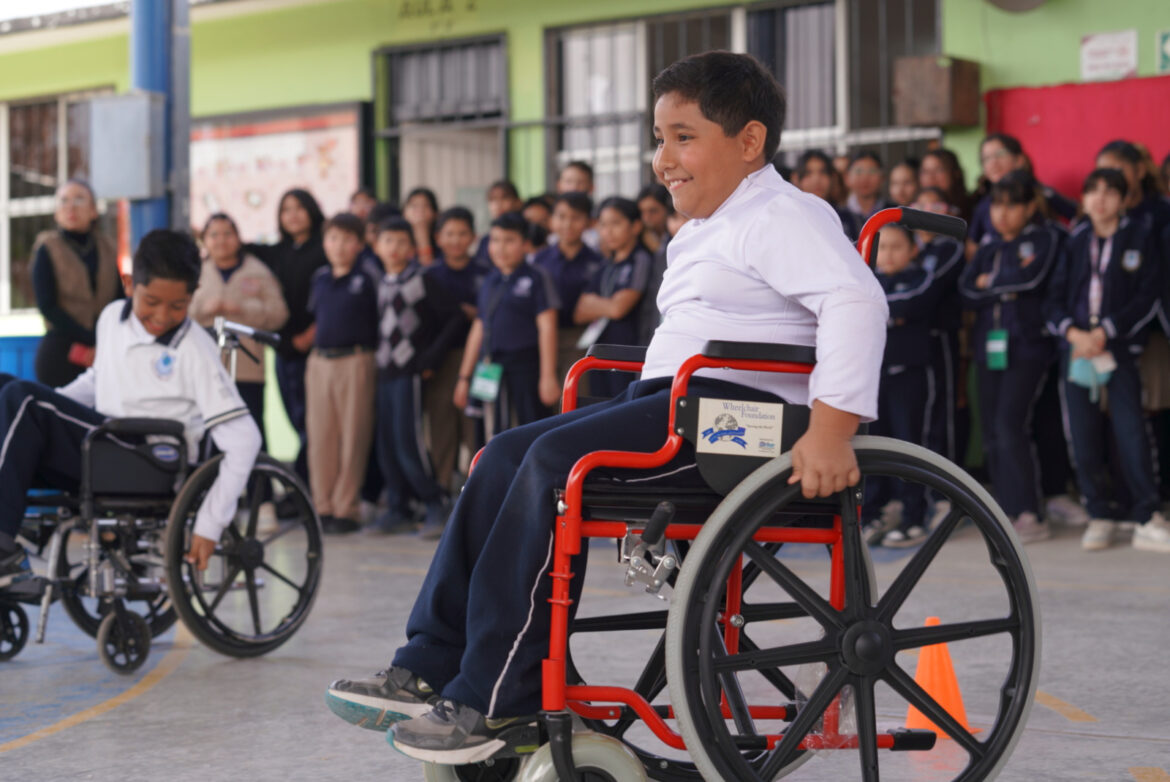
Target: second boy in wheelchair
(758,261)
(151,361)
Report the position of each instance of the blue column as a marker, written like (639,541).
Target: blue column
(150,69)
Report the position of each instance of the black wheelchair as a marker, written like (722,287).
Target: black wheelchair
(764,658)
(112,551)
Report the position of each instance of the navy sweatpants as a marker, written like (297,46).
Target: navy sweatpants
(402,455)
(40,440)
(290,377)
(1008,398)
(480,625)
(902,413)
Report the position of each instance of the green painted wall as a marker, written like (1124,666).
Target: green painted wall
(1039,47)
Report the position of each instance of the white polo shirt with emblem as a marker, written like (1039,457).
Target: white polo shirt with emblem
(178,376)
(772,264)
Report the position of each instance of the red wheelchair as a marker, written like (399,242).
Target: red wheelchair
(763,659)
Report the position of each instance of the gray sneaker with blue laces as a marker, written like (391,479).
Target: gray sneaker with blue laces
(452,734)
(14,567)
(378,702)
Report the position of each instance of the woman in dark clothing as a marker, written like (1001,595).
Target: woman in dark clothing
(293,260)
(74,275)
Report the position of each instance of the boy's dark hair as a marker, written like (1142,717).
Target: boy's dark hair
(731,90)
(397,225)
(512,221)
(808,156)
(220,216)
(309,204)
(368,192)
(578,202)
(659,193)
(506,185)
(381,212)
(938,191)
(911,163)
(537,235)
(581,166)
(909,234)
(623,206)
(1113,179)
(460,213)
(540,201)
(1016,187)
(166,255)
(348,222)
(865,154)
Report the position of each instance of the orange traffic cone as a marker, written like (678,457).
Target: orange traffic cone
(936,675)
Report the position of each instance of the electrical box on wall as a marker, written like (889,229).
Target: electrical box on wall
(936,90)
(128,145)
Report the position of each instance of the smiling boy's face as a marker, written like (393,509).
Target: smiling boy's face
(160,304)
(700,164)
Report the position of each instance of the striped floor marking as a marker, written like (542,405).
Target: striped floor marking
(1149,774)
(165,667)
(1066,710)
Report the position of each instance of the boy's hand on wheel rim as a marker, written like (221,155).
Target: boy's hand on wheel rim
(823,462)
(200,552)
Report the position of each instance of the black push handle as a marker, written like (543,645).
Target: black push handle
(269,338)
(918,220)
(655,528)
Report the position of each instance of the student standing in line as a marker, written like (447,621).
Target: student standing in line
(1101,302)
(814,170)
(577,177)
(537,211)
(609,303)
(941,168)
(571,264)
(460,280)
(421,209)
(415,331)
(362,202)
(655,205)
(1005,285)
(294,260)
(511,349)
(865,178)
(904,182)
(502,197)
(339,375)
(74,276)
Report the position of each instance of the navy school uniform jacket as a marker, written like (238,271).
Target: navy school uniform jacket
(980,225)
(912,298)
(1131,279)
(943,258)
(417,323)
(460,286)
(1016,292)
(570,276)
(508,306)
(345,307)
(631,273)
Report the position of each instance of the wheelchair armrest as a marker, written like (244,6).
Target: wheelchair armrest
(760,351)
(141,426)
(635,353)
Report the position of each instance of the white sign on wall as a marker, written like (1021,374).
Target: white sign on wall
(1108,56)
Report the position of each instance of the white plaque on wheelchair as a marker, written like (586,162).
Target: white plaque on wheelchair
(737,428)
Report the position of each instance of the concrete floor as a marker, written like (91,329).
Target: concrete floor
(191,714)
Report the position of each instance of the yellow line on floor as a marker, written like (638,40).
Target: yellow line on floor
(1066,710)
(1149,774)
(165,667)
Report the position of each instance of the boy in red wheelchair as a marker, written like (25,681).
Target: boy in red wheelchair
(758,261)
(151,361)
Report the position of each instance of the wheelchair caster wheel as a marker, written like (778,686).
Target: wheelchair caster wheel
(502,770)
(597,758)
(13,630)
(123,646)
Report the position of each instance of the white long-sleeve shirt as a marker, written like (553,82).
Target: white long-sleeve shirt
(772,264)
(180,377)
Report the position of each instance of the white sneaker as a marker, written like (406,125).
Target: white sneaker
(1030,529)
(1154,535)
(266,521)
(1098,535)
(1066,510)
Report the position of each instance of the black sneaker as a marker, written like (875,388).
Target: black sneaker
(381,700)
(333,525)
(14,567)
(452,734)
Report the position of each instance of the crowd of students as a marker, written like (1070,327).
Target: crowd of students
(1034,352)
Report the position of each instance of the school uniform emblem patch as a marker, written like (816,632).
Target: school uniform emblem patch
(1027,251)
(523,287)
(1132,260)
(164,367)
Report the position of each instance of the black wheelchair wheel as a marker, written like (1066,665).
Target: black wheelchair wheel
(501,770)
(853,650)
(136,553)
(259,588)
(13,630)
(123,641)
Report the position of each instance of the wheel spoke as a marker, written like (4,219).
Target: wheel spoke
(285,528)
(795,654)
(257,497)
(769,612)
(922,700)
(282,577)
(863,702)
(774,676)
(736,702)
(942,634)
(822,696)
(857,596)
(224,588)
(816,606)
(896,595)
(253,598)
(751,571)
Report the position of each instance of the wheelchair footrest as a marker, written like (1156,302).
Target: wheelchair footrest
(912,740)
(28,591)
(520,741)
